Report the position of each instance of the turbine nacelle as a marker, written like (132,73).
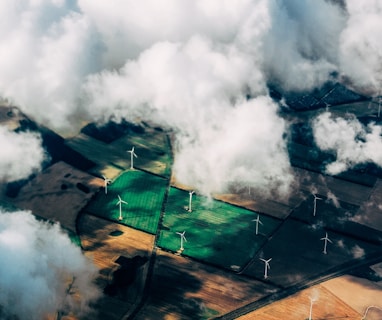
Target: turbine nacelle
(326,240)
(266,266)
(120,200)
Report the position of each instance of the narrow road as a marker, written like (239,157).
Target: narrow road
(147,281)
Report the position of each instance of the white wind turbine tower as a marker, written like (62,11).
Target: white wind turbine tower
(326,240)
(266,266)
(119,203)
(190,201)
(311,308)
(132,155)
(315,204)
(182,238)
(105,183)
(258,221)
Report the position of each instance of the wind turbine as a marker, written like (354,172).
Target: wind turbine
(120,201)
(106,182)
(311,308)
(190,201)
(326,239)
(132,155)
(266,266)
(182,237)
(315,204)
(257,223)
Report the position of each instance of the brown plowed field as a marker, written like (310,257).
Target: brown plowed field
(104,242)
(325,307)
(185,289)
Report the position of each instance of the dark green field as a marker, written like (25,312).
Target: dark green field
(152,148)
(216,232)
(144,194)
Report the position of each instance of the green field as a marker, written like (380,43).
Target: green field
(216,232)
(144,194)
(152,148)
(74,238)
(154,153)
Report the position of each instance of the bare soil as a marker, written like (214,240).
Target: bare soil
(325,306)
(185,289)
(58,194)
(105,243)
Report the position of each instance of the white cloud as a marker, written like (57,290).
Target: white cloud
(351,142)
(333,199)
(34,272)
(196,89)
(21,154)
(357,252)
(128,28)
(189,65)
(49,48)
(245,147)
(301,45)
(360,47)
(46,49)
(185,64)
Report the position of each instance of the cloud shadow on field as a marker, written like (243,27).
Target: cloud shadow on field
(121,255)
(171,290)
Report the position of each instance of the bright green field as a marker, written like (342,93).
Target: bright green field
(144,194)
(216,232)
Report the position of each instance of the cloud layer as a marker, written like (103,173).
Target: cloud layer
(351,142)
(200,68)
(34,272)
(187,65)
(360,48)
(21,154)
